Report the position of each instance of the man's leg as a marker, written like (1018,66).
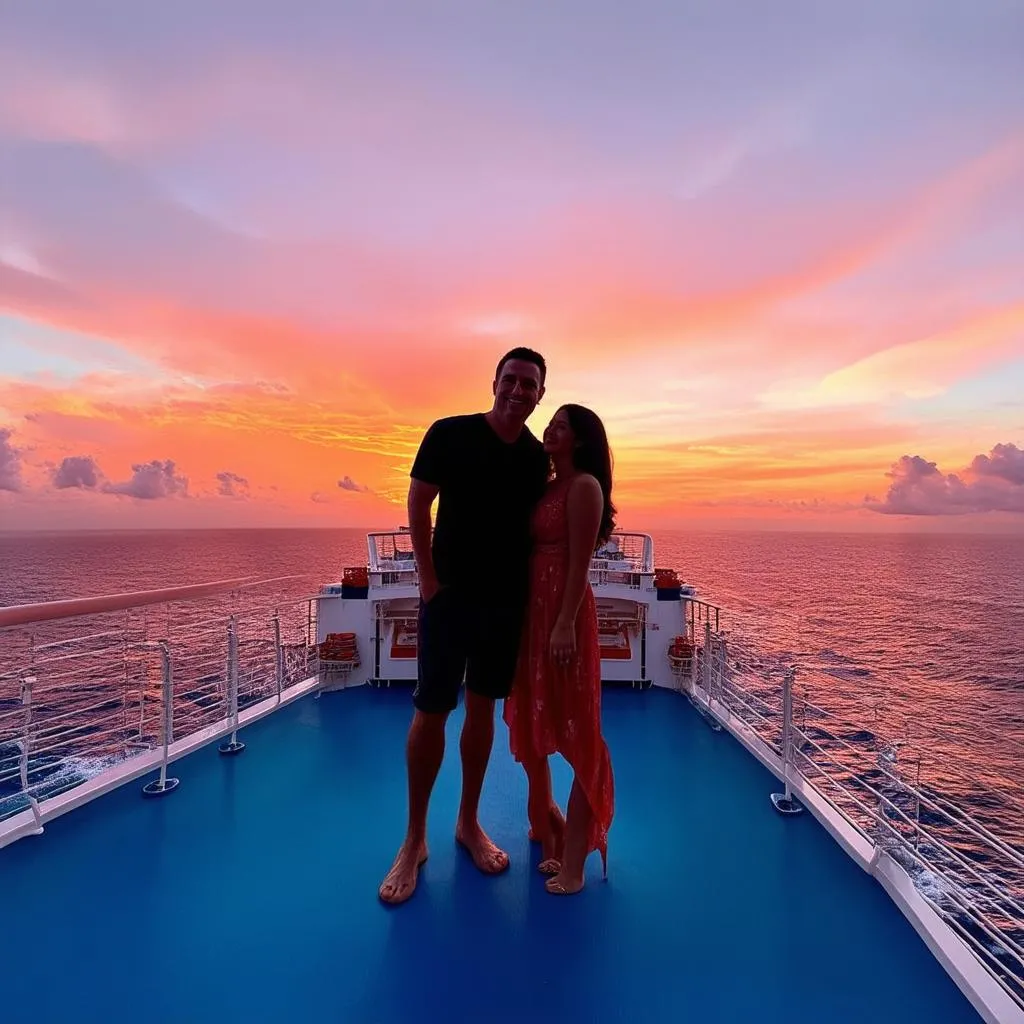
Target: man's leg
(440,666)
(475,745)
(424,752)
(495,632)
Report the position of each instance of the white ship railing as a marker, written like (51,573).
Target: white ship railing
(389,553)
(879,790)
(97,691)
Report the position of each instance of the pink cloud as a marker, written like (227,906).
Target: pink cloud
(1005,463)
(152,481)
(79,471)
(992,483)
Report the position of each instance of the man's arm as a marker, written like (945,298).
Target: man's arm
(421,498)
(429,470)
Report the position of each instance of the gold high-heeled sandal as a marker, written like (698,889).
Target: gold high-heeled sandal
(557,889)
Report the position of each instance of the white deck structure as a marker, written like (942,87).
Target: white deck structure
(642,611)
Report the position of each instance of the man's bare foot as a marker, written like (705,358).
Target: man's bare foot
(563,885)
(486,856)
(400,882)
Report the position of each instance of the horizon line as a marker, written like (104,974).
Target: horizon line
(1000,530)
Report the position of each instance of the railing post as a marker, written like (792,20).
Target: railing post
(26,743)
(691,635)
(706,682)
(164,785)
(723,664)
(233,746)
(784,802)
(706,671)
(278,656)
(890,787)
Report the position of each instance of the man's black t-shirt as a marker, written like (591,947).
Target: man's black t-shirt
(488,489)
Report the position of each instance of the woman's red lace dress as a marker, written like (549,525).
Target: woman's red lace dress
(554,708)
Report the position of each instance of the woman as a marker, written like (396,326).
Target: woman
(555,705)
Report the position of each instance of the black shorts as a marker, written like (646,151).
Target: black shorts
(463,633)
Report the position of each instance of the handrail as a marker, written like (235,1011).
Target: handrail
(645,558)
(46,611)
(96,705)
(992,914)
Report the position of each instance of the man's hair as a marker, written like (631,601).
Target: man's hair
(526,355)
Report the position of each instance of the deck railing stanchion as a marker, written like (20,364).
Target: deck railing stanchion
(723,664)
(784,802)
(278,655)
(691,635)
(26,744)
(886,835)
(706,655)
(164,785)
(233,746)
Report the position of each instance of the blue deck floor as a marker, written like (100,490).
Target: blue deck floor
(250,894)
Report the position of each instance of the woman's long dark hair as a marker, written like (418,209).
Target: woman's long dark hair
(594,456)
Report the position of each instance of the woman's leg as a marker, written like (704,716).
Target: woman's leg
(546,821)
(577,834)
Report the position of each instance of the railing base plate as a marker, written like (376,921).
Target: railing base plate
(709,718)
(158,788)
(786,804)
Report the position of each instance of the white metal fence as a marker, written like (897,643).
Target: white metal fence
(902,787)
(83,693)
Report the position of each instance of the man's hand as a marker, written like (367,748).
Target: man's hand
(428,588)
(563,642)
(421,498)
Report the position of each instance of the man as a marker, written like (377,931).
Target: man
(488,470)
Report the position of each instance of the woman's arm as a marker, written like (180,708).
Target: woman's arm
(584,505)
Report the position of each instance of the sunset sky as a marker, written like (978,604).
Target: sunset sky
(250,249)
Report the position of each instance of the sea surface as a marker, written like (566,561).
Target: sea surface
(908,647)
(935,622)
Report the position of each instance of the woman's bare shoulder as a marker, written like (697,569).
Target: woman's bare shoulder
(585,486)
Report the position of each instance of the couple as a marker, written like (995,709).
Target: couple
(505,600)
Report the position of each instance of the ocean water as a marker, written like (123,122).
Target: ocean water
(930,628)
(911,646)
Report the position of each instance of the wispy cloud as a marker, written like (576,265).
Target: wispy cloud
(231,485)
(917,369)
(346,483)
